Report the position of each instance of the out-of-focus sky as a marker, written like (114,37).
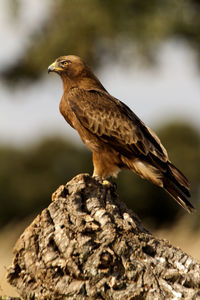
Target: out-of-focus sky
(169,91)
(16,26)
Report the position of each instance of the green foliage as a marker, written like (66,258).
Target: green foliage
(29,176)
(183,145)
(95,28)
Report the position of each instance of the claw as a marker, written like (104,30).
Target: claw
(106,182)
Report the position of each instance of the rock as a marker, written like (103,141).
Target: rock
(88,245)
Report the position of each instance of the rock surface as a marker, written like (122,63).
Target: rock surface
(88,245)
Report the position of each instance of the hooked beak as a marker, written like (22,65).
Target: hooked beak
(52,68)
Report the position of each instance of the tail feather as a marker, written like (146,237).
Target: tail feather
(177,194)
(163,174)
(181,179)
(170,171)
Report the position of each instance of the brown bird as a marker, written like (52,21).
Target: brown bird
(117,138)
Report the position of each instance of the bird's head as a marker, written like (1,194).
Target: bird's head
(74,71)
(71,66)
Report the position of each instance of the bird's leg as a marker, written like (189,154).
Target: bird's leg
(105,164)
(99,165)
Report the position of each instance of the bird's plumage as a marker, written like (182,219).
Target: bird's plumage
(115,135)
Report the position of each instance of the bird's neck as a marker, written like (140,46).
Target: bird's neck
(67,83)
(86,83)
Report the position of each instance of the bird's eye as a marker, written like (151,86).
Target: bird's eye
(65,62)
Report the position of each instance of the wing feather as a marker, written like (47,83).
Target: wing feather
(113,122)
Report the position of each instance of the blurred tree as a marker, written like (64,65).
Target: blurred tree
(95,28)
(28,177)
(183,144)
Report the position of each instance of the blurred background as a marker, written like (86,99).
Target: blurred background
(147,54)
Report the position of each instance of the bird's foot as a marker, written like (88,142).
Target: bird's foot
(103,180)
(106,182)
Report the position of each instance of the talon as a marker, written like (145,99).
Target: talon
(106,182)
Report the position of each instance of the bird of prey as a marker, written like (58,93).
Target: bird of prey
(117,138)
